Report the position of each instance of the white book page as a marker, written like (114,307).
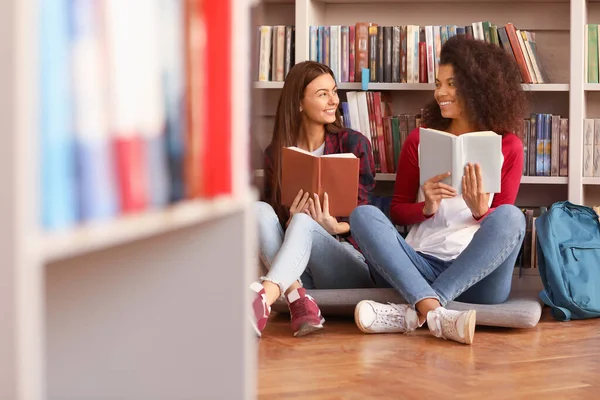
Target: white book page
(435,154)
(340,155)
(487,151)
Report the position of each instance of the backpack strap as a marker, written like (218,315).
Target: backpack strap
(560,313)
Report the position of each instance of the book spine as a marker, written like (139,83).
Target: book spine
(403,54)
(58,188)
(563,169)
(588,147)
(373,53)
(361,49)
(554,145)
(351,53)
(396,54)
(345,54)
(312,37)
(387,54)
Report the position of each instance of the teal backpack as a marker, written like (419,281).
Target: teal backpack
(568,250)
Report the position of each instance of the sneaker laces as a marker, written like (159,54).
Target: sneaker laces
(392,319)
(300,307)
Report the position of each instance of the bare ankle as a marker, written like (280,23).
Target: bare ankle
(424,306)
(272,291)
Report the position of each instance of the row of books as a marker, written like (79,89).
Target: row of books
(119,81)
(591,53)
(527,257)
(546,145)
(386,132)
(276,52)
(411,53)
(591,147)
(370,113)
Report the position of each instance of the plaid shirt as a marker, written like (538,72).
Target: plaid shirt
(346,141)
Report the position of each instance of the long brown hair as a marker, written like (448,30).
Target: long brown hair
(288,119)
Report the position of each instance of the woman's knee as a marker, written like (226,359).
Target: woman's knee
(264,210)
(362,216)
(301,219)
(510,218)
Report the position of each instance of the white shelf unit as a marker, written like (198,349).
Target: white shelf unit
(560,41)
(590,101)
(152,305)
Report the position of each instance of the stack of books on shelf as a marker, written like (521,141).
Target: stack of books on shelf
(546,145)
(591,147)
(411,53)
(370,114)
(276,52)
(126,124)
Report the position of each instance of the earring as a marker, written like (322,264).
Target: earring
(300,109)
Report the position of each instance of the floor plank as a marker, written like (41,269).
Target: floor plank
(554,360)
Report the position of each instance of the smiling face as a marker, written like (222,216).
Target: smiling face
(445,93)
(320,100)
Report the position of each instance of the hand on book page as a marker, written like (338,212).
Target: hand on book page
(440,152)
(336,174)
(435,191)
(473,190)
(299,205)
(321,214)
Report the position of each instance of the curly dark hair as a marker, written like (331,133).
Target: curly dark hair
(489,82)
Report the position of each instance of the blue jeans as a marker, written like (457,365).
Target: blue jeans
(307,252)
(481,274)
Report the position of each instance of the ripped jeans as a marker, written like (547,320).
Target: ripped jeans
(306,252)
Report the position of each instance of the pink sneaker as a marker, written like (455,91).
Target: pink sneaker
(260,312)
(305,313)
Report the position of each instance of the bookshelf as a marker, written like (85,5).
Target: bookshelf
(119,309)
(560,38)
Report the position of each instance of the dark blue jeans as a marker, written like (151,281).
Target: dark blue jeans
(481,274)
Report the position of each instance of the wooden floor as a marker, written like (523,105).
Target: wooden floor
(552,361)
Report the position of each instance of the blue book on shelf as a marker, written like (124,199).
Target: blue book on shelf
(313,42)
(96,180)
(320,44)
(172,19)
(540,144)
(96,186)
(156,164)
(547,143)
(57,166)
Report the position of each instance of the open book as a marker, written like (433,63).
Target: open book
(336,174)
(441,152)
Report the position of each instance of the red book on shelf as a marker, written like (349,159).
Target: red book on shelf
(131,173)
(217,139)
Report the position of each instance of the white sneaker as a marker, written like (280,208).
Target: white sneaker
(454,325)
(373,317)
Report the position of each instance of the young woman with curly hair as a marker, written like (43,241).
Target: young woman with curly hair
(459,247)
(303,245)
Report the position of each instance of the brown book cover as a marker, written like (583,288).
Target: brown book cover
(511,32)
(361,50)
(336,174)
